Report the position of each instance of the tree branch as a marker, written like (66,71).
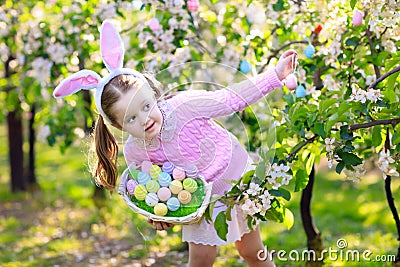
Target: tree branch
(371,46)
(294,152)
(387,74)
(393,122)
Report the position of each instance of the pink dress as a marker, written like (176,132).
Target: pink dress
(190,137)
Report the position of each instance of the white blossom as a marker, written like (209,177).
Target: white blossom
(253,189)
(41,69)
(57,52)
(374,95)
(384,161)
(357,174)
(329,144)
(250,207)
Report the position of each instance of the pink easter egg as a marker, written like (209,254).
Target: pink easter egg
(178,174)
(146,165)
(357,18)
(164,193)
(291,81)
(154,24)
(193,5)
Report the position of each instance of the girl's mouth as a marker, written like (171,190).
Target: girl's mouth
(150,127)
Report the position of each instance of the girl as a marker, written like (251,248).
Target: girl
(179,129)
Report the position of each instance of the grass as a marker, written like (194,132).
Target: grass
(62,225)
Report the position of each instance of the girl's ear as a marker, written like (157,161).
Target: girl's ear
(83,79)
(111,46)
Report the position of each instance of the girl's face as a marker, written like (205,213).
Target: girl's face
(138,114)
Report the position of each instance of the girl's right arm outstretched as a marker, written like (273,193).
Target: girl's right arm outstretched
(106,172)
(237,96)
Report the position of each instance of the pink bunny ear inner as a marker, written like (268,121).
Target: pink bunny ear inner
(112,49)
(81,80)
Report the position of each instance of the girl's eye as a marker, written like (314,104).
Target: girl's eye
(146,107)
(131,119)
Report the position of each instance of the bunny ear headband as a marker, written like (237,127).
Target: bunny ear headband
(112,52)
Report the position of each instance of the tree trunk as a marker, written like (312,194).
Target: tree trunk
(16,154)
(32,183)
(314,240)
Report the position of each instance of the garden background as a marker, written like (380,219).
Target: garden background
(344,114)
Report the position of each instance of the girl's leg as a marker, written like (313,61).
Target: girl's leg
(249,246)
(201,255)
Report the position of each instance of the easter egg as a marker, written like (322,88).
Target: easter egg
(310,50)
(152,186)
(160,209)
(146,165)
(151,199)
(164,193)
(192,172)
(178,174)
(134,174)
(300,91)
(184,197)
(168,167)
(245,66)
(175,186)
(140,192)
(357,18)
(130,186)
(190,185)
(154,24)
(173,204)
(155,171)
(291,81)
(193,5)
(143,178)
(164,179)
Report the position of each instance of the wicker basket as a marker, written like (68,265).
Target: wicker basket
(188,219)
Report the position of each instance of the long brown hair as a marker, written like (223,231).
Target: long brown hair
(106,172)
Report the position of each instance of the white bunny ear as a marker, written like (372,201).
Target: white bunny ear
(83,79)
(111,46)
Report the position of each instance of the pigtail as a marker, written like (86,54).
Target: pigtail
(106,147)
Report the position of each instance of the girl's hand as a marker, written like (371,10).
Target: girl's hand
(287,62)
(160,226)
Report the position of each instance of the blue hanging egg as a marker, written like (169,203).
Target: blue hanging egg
(245,66)
(300,91)
(310,50)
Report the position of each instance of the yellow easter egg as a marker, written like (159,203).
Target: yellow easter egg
(155,171)
(175,186)
(160,209)
(140,192)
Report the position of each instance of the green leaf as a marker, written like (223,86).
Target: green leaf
(260,170)
(349,158)
(221,226)
(247,177)
(353,3)
(396,138)
(288,220)
(301,180)
(340,166)
(280,193)
(345,133)
(376,136)
(318,128)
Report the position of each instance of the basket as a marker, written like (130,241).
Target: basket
(187,219)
